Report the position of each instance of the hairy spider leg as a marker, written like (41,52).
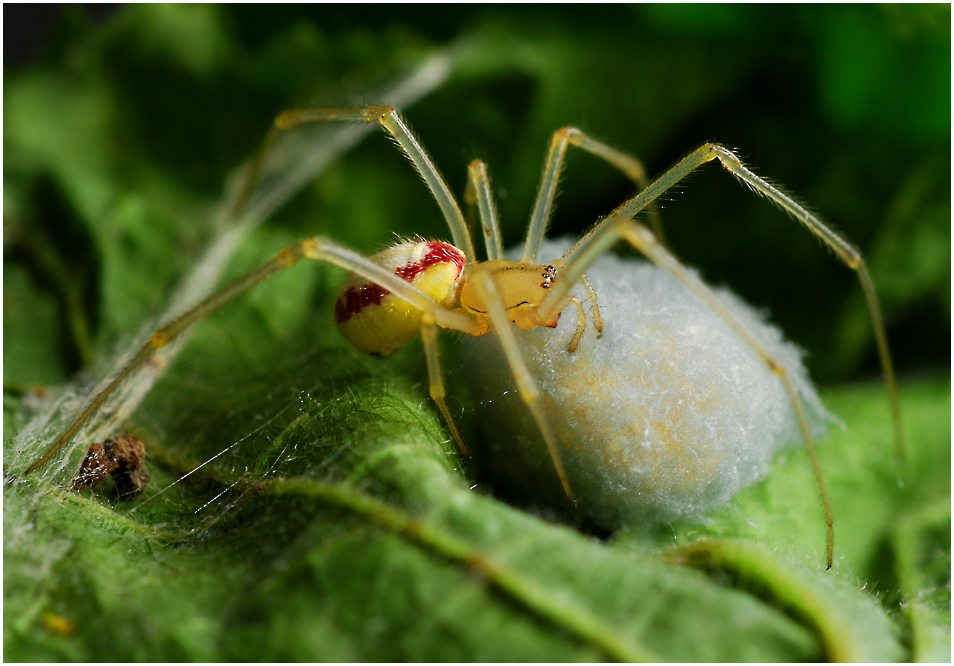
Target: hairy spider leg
(391,121)
(319,249)
(526,386)
(842,249)
(478,194)
(435,378)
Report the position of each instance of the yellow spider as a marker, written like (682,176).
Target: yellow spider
(419,287)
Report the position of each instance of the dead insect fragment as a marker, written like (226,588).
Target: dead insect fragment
(120,458)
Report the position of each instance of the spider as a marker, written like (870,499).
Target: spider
(417,287)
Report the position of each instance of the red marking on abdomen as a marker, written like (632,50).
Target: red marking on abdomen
(355,299)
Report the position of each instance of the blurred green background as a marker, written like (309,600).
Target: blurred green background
(119,132)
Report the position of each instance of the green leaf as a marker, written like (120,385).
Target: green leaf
(361,541)
(306,503)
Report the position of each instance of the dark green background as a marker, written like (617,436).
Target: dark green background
(118,137)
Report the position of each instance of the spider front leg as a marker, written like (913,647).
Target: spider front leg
(478,194)
(526,386)
(391,121)
(318,249)
(590,246)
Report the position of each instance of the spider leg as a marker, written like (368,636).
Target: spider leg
(391,121)
(580,324)
(435,377)
(478,193)
(594,243)
(253,174)
(591,297)
(319,249)
(526,386)
(643,240)
(542,209)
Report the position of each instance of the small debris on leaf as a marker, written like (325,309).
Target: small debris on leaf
(118,457)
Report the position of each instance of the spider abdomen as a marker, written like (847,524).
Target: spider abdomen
(376,321)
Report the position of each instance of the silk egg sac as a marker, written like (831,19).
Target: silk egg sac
(666,416)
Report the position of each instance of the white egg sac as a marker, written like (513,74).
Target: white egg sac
(666,416)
